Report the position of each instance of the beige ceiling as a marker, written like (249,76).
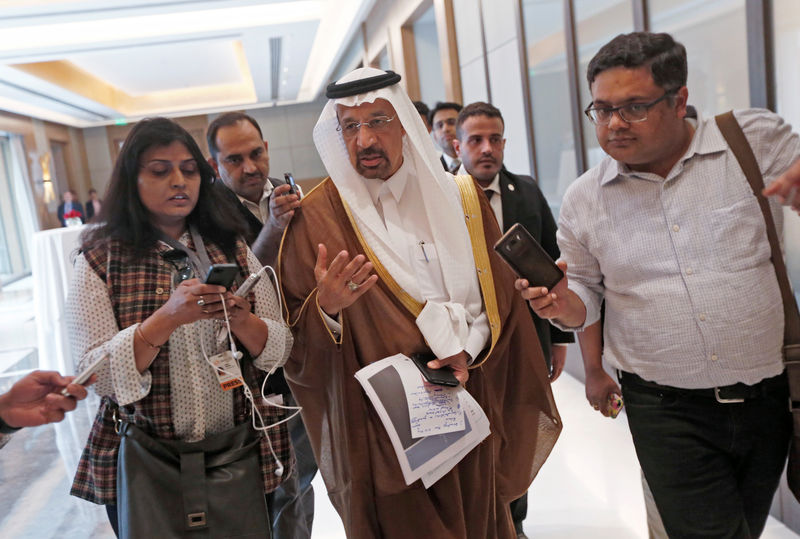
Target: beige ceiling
(96,62)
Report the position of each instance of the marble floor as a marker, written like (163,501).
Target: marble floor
(589,487)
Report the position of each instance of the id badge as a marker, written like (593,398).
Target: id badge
(227,370)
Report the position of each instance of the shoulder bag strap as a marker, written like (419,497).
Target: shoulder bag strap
(741,149)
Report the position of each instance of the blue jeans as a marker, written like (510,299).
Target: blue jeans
(713,468)
(291,505)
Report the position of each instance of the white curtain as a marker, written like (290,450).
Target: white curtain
(23,189)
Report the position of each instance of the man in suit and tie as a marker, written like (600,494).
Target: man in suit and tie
(443,124)
(514,198)
(69,203)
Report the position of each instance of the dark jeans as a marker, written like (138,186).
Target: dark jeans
(519,510)
(713,468)
(291,505)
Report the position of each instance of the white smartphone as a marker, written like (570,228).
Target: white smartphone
(87,373)
(247,285)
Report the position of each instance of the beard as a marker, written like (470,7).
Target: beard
(382,170)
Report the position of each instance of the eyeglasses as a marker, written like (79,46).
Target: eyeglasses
(179,261)
(629,113)
(377,125)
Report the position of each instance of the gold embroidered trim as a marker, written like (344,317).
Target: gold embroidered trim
(413,306)
(280,269)
(474,220)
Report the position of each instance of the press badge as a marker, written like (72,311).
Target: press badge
(227,369)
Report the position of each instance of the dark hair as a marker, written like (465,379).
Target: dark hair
(665,57)
(442,105)
(92,190)
(225,120)
(479,108)
(422,108)
(124,217)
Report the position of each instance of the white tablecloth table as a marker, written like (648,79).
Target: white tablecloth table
(53,254)
(52,260)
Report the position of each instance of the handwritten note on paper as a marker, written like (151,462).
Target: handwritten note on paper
(433,409)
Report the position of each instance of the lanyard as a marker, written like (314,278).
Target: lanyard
(198,258)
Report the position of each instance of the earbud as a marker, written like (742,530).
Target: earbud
(238,355)
(279,469)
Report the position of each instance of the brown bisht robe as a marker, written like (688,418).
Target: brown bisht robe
(354,453)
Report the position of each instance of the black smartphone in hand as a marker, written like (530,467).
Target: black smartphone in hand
(441,377)
(527,258)
(290,180)
(222,274)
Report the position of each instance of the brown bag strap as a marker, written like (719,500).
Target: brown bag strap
(741,149)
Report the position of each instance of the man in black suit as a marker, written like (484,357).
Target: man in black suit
(239,155)
(93,205)
(443,124)
(68,204)
(514,198)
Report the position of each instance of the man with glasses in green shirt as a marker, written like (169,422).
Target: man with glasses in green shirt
(666,231)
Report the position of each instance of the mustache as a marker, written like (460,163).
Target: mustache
(372,151)
(249,175)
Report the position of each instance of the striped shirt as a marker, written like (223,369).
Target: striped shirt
(682,262)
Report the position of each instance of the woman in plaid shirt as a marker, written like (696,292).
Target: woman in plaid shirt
(160,224)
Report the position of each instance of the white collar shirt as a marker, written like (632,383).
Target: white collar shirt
(260,210)
(496,201)
(682,262)
(451,161)
(412,240)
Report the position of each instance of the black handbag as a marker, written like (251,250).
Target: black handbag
(171,488)
(732,132)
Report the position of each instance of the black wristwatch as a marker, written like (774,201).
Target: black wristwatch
(5,428)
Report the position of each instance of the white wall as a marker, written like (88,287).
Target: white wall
(470,51)
(288,131)
(429,64)
(505,77)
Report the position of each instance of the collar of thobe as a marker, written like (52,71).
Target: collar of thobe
(395,186)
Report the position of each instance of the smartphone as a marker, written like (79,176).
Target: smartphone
(290,180)
(527,258)
(248,285)
(441,377)
(615,404)
(222,274)
(87,373)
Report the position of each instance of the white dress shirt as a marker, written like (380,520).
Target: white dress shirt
(399,202)
(683,262)
(451,161)
(496,202)
(260,210)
